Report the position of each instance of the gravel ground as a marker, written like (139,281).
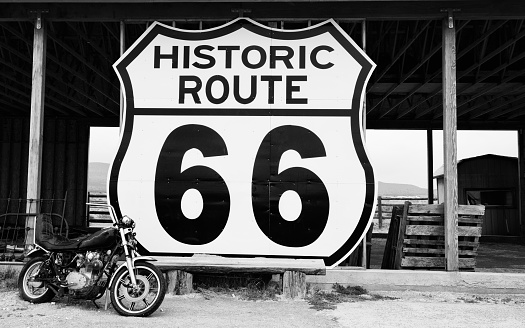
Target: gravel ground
(398,309)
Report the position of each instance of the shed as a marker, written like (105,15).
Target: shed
(493,181)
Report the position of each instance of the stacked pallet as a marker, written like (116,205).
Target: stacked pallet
(416,237)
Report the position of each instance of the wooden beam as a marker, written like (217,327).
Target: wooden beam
(36,126)
(430,167)
(122,47)
(219,264)
(481,62)
(417,33)
(521,179)
(459,55)
(450,143)
(57,77)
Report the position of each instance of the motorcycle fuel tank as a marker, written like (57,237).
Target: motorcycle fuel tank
(105,238)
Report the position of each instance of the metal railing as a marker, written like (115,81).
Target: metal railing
(17,223)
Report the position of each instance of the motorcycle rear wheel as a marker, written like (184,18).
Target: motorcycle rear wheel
(33,291)
(145,298)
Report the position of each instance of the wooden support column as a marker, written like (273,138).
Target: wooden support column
(36,127)
(179,282)
(450,143)
(521,176)
(122,50)
(294,284)
(363,40)
(430,166)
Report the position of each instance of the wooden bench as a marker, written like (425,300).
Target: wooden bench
(97,216)
(416,237)
(180,270)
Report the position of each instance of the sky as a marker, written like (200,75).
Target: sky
(397,156)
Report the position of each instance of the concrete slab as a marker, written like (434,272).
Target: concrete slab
(400,280)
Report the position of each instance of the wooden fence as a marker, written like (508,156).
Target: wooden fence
(385,204)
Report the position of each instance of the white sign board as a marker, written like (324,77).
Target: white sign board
(245,141)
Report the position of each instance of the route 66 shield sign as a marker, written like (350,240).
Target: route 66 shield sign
(245,141)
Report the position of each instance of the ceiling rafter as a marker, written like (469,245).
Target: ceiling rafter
(486,90)
(403,78)
(494,109)
(24,95)
(79,57)
(402,51)
(474,66)
(437,73)
(61,64)
(486,76)
(28,74)
(380,39)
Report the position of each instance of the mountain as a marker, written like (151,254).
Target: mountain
(399,189)
(97,177)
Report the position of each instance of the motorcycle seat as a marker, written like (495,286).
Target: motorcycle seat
(46,237)
(59,243)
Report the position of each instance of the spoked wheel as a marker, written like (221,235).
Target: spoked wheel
(30,289)
(145,298)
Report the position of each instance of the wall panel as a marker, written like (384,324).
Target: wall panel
(64,165)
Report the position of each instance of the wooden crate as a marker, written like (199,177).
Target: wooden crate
(416,239)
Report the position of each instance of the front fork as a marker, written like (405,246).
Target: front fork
(129,255)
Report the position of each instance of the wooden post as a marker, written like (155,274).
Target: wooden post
(294,284)
(122,50)
(363,40)
(36,126)
(379,212)
(521,180)
(179,282)
(430,166)
(449,143)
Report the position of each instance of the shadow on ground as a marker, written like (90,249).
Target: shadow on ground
(492,257)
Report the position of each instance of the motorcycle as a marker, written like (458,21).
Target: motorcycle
(89,266)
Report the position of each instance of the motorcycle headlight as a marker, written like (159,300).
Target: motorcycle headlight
(128,222)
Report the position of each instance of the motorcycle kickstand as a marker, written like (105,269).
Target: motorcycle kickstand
(107,299)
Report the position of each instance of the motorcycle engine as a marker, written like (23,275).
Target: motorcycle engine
(89,268)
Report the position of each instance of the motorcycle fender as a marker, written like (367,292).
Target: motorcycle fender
(136,259)
(35,253)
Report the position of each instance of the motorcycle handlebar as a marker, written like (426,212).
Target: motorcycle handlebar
(111,209)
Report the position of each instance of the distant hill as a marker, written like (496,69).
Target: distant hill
(399,189)
(97,177)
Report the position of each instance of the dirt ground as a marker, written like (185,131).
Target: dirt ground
(221,309)
(398,309)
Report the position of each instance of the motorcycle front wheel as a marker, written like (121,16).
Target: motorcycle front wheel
(29,289)
(145,298)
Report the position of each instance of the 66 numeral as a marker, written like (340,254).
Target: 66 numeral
(268,185)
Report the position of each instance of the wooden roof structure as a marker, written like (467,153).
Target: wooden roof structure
(402,37)
(56,62)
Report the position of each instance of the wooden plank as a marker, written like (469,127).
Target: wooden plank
(435,262)
(380,212)
(437,251)
(389,254)
(401,236)
(219,264)
(471,210)
(428,230)
(438,209)
(439,242)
